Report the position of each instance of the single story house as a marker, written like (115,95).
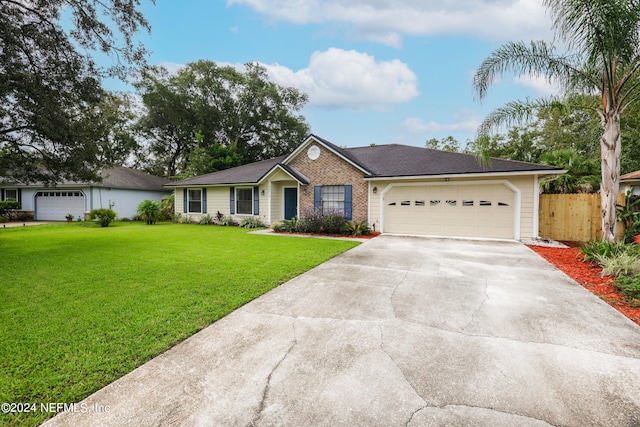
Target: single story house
(630,182)
(121,189)
(396,188)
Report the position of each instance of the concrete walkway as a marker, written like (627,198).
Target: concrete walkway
(21,223)
(398,331)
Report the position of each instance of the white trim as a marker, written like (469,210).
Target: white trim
(311,139)
(506,183)
(536,207)
(274,169)
(269,202)
(368,203)
(465,175)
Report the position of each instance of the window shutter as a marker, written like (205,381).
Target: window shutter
(20,197)
(184,202)
(348,204)
(317,197)
(232,201)
(1,193)
(256,200)
(204,200)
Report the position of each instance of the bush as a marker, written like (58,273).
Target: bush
(355,228)
(277,227)
(150,211)
(333,221)
(595,250)
(290,225)
(6,206)
(251,222)
(167,208)
(103,216)
(622,264)
(310,221)
(630,286)
(227,221)
(185,219)
(207,220)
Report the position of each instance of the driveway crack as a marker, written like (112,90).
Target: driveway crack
(267,387)
(395,288)
(486,298)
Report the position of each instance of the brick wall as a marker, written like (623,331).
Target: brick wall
(330,169)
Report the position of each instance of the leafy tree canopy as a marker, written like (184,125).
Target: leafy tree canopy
(209,117)
(49,85)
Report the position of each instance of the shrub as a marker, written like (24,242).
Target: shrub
(630,286)
(333,221)
(186,219)
(103,216)
(251,222)
(290,225)
(167,208)
(219,217)
(150,211)
(227,221)
(277,227)
(310,221)
(6,206)
(207,220)
(355,228)
(595,250)
(622,264)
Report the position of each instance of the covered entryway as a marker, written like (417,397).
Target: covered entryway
(56,205)
(470,209)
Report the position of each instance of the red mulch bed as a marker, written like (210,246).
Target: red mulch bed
(571,262)
(369,236)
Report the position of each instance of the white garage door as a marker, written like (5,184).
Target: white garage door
(56,205)
(466,210)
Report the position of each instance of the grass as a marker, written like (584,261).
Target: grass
(83,305)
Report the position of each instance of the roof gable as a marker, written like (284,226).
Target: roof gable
(340,152)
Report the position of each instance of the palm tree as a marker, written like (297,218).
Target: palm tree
(602,57)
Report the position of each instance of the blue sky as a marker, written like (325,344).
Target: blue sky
(376,71)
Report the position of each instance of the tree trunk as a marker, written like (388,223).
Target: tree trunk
(610,145)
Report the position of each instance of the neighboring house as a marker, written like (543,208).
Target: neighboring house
(121,189)
(630,182)
(396,188)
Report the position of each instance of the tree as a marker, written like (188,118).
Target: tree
(48,80)
(603,57)
(446,144)
(581,177)
(218,115)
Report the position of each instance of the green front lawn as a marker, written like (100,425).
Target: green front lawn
(83,305)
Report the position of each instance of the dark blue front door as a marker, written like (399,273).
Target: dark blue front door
(290,202)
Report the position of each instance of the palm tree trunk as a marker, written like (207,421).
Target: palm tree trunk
(610,145)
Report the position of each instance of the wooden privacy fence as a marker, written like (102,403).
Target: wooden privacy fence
(573,217)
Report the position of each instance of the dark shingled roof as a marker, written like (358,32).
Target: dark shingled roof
(250,173)
(378,161)
(395,160)
(121,177)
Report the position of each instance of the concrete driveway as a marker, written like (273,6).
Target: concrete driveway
(398,331)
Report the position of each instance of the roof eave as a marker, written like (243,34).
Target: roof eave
(465,175)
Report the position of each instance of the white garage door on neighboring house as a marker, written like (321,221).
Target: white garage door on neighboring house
(464,210)
(56,205)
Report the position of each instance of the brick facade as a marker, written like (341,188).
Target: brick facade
(330,169)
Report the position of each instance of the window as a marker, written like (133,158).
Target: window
(11,194)
(329,198)
(332,198)
(244,201)
(194,201)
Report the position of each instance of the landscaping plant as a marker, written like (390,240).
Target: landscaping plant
(333,221)
(598,249)
(207,220)
(102,216)
(310,221)
(356,228)
(251,222)
(150,211)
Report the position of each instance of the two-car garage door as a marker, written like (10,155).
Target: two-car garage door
(466,210)
(55,205)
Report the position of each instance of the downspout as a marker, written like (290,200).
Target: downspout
(536,207)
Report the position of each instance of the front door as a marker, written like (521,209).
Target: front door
(290,203)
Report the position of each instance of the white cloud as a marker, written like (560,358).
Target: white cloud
(465,121)
(540,84)
(171,67)
(386,21)
(348,79)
